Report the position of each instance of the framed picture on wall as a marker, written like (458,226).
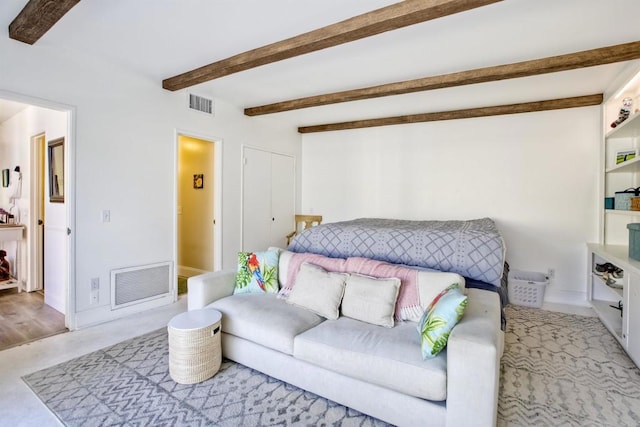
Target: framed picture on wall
(624,156)
(198,181)
(56,170)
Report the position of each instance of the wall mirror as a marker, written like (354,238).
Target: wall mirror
(56,170)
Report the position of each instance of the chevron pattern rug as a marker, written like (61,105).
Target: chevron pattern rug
(565,370)
(557,370)
(129,385)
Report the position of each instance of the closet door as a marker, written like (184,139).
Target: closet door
(282,199)
(256,200)
(268,199)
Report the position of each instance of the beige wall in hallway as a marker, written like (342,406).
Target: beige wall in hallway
(195,206)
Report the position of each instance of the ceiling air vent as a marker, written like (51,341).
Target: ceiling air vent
(200,103)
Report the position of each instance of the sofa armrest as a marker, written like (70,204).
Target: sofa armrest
(474,351)
(209,287)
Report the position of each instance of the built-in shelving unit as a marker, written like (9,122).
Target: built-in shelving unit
(605,297)
(618,177)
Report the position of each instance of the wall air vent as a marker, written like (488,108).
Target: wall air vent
(135,285)
(201,104)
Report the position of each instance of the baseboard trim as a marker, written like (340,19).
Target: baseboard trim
(562,296)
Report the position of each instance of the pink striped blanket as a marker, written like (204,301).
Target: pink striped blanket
(408,303)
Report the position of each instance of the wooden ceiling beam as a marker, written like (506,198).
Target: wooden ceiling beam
(37,17)
(526,107)
(388,18)
(572,61)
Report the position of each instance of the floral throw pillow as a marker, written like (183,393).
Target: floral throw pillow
(257,272)
(444,312)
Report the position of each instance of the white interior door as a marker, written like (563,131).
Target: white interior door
(282,199)
(256,200)
(36,265)
(55,246)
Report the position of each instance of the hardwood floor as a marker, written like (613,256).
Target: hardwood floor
(24,317)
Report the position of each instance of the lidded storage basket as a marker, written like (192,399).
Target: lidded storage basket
(634,240)
(527,288)
(623,198)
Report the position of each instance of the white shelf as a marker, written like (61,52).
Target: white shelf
(628,129)
(632,165)
(621,212)
(9,284)
(616,254)
(616,293)
(610,317)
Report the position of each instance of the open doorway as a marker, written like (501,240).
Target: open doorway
(39,306)
(198,206)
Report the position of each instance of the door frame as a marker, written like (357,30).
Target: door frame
(217,196)
(69,197)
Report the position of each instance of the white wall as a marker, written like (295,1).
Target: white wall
(124,156)
(535,174)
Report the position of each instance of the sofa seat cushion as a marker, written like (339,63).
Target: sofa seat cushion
(389,357)
(264,319)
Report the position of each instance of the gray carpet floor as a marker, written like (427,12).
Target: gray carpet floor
(557,370)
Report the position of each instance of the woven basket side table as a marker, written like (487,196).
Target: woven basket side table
(195,353)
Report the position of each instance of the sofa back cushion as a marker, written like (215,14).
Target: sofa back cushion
(431,283)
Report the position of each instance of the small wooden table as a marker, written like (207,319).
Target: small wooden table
(195,352)
(13,232)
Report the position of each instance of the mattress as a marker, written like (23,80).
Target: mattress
(472,248)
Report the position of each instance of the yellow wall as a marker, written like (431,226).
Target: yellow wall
(195,206)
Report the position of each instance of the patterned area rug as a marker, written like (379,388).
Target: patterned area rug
(565,370)
(129,385)
(557,370)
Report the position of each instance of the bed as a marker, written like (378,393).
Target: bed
(472,248)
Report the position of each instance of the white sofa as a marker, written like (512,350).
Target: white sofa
(376,370)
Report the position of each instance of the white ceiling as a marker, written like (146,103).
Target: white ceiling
(162,38)
(9,108)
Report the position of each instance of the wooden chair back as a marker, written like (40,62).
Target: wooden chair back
(307,221)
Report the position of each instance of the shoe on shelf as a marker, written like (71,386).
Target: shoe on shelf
(616,272)
(607,267)
(610,281)
(600,269)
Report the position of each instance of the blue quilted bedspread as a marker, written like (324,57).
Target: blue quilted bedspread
(473,248)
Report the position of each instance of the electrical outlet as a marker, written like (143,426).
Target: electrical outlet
(95,290)
(106,215)
(551,272)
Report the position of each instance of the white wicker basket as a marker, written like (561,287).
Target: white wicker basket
(527,288)
(195,353)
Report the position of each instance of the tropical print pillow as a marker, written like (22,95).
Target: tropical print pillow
(257,272)
(444,312)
